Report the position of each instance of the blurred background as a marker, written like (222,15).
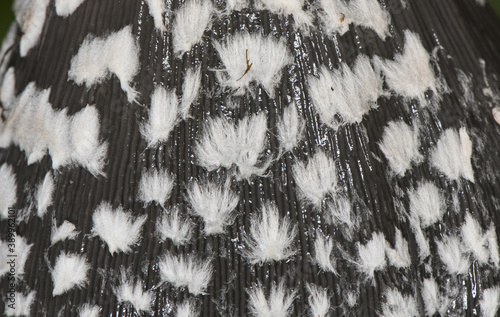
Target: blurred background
(6,15)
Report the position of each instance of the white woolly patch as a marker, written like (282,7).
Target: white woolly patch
(433,301)
(134,294)
(174,227)
(478,243)
(190,90)
(155,186)
(224,144)
(67,7)
(410,74)
(214,204)
(119,229)
(66,230)
(8,190)
(271,237)
(290,128)
(319,303)
(37,128)
(301,18)
(22,251)
(232,5)
(340,211)
(277,304)
(399,256)
(8,92)
(427,203)
(88,310)
(22,305)
(344,96)
(372,255)
(496,114)
(452,155)
(30,15)
(422,242)
(191,21)
(252,58)
(366,13)
(44,194)
(317,178)
(157,8)
(490,302)
(186,271)
(399,305)
(493,246)
(69,271)
(400,146)
(186,309)
(84,136)
(451,254)
(323,253)
(162,116)
(99,57)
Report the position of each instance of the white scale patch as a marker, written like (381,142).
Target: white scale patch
(134,294)
(44,194)
(319,302)
(8,190)
(302,19)
(66,230)
(37,129)
(277,304)
(172,225)
(66,7)
(69,271)
(99,57)
(30,15)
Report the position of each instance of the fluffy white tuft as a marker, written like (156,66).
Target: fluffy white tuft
(317,178)
(224,144)
(186,271)
(433,301)
(340,211)
(191,21)
(8,190)
(290,128)
(452,155)
(323,253)
(134,294)
(155,186)
(400,146)
(451,254)
(399,305)
(84,136)
(344,96)
(30,15)
(252,58)
(482,246)
(214,204)
(427,204)
(410,74)
(7,92)
(66,230)
(277,304)
(22,305)
(399,256)
(119,229)
(190,90)
(98,58)
(490,302)
(301,18)
(162,116)
(157,8)
(44,194)
(319,303)
(88,310)
(37,128)
(186,309)
(420,238)
(232,5)
(366,13)
(69,271)
(67,7)
(22,251)
(271,237)
(174,227)
(372,255)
